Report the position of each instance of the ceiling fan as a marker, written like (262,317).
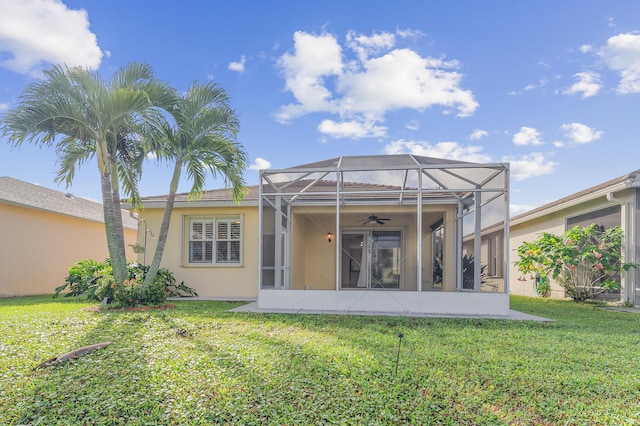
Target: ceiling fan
(376,219)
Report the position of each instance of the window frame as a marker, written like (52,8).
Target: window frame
(214,220)
(494,269)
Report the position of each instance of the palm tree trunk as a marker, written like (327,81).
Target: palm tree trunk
(118,230)
(164,227)
(109,222)
(117,256)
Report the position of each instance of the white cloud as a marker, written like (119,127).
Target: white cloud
(541,83)
(260,164)
(478,134)
(409,33)
(351,129)
(45,31)
(530,165)
(315,58)
(586,48)
(238,66)
(381,78)
(588,84)
(413,125)
(445,150)
(580,133)
(403,79)
(622,54)
(364,46)
(521,167)
(3,106)
(527,136)
(516,209)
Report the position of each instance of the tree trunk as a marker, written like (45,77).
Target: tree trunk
(164,227)
(118,261)
(109,221)
(118,230)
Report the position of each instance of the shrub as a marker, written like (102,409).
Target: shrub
(468,263)
(95,281)
(85,278)
(584,261)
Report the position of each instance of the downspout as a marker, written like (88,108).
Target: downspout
(338,239)
(627,293)
(260,229)
(419,233)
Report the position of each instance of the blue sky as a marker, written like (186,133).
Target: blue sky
(552,87)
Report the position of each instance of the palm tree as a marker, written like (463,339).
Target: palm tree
(203,138)
(84,117)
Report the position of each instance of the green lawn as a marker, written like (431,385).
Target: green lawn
(198,364)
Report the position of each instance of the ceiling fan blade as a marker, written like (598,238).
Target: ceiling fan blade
(379,222)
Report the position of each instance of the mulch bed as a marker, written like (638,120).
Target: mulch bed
(101,308)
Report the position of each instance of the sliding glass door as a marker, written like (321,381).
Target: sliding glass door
(371,259)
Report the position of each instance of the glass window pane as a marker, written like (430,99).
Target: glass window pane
(222,251)
(208,251)
(195,252)
(196,230)
(234,251)
(209,231)
(235,230)
(605,218)
(223,230)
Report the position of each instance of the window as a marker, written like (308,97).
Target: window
(493,257)
(605,218)
(215,240)
(437,247)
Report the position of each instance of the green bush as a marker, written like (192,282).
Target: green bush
(86,278)
(95,281)
(584,261)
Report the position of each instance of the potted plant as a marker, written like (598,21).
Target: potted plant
(137,247)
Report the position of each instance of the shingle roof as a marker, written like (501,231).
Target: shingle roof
(209,195)
(322,186)
(17,192)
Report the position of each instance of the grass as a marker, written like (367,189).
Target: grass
(198,364)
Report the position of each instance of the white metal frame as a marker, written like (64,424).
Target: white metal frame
(298,186)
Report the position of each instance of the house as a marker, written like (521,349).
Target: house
(351,234)
(43,232)
(612,203)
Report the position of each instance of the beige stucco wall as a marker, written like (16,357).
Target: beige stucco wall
(209,281)
(38,247)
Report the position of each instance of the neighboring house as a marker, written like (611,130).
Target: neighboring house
(366,233)
(612,203)
(43,232)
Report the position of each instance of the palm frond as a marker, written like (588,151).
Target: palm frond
(71,153)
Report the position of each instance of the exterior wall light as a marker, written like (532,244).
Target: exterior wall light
(329,236)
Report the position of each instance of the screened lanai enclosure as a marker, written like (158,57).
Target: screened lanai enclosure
(385,233)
